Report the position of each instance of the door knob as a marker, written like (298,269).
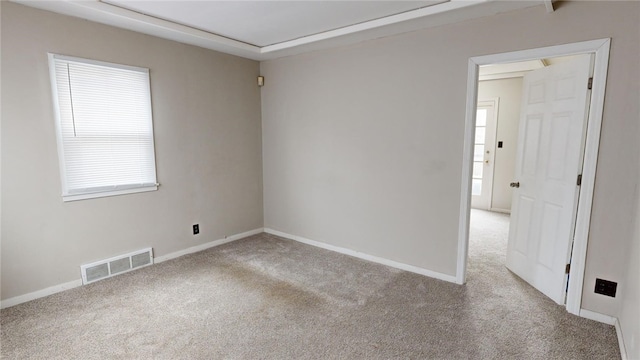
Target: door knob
(515,184)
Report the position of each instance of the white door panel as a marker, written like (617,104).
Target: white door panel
(549,159)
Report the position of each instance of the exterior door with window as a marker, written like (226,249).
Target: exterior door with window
(484,154)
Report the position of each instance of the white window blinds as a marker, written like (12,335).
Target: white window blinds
(104,124)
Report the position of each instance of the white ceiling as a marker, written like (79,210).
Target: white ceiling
(263,23)
(520,68)
(269,29)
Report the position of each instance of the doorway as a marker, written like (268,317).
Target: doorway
(539,146)
(600,50)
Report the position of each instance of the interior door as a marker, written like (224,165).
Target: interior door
(484,154)
(549,159)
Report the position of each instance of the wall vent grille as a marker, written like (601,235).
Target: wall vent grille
(116,265)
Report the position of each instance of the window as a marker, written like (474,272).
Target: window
(104,128)
(478,152)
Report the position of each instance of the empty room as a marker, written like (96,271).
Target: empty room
(320,179)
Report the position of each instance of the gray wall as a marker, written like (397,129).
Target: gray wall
(509,91)
(630,311)
(362,145)
(206,108)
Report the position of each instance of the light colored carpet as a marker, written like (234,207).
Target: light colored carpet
(268,298)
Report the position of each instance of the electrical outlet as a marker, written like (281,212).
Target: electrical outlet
(196,229)
(606,287)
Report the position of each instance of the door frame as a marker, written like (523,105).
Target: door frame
(600,48)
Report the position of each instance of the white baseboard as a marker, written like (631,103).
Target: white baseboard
(40,293)
(76,283)
(379,260)
(609,320)
(592,315)
(504,211)
(205,246)
(623,348)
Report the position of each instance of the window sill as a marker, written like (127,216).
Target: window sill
(76,197)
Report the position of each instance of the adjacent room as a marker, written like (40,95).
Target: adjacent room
(320,179)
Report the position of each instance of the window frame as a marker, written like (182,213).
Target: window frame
(97,192)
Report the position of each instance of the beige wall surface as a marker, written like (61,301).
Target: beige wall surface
(509,91)
(207,127)
(362,145)
(630,293)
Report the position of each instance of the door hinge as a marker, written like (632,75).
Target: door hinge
(567,268)
(590,84)
(579,181)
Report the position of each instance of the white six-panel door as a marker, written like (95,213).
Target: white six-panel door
(549,160)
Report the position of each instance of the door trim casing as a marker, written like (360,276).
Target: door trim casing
(600,48)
